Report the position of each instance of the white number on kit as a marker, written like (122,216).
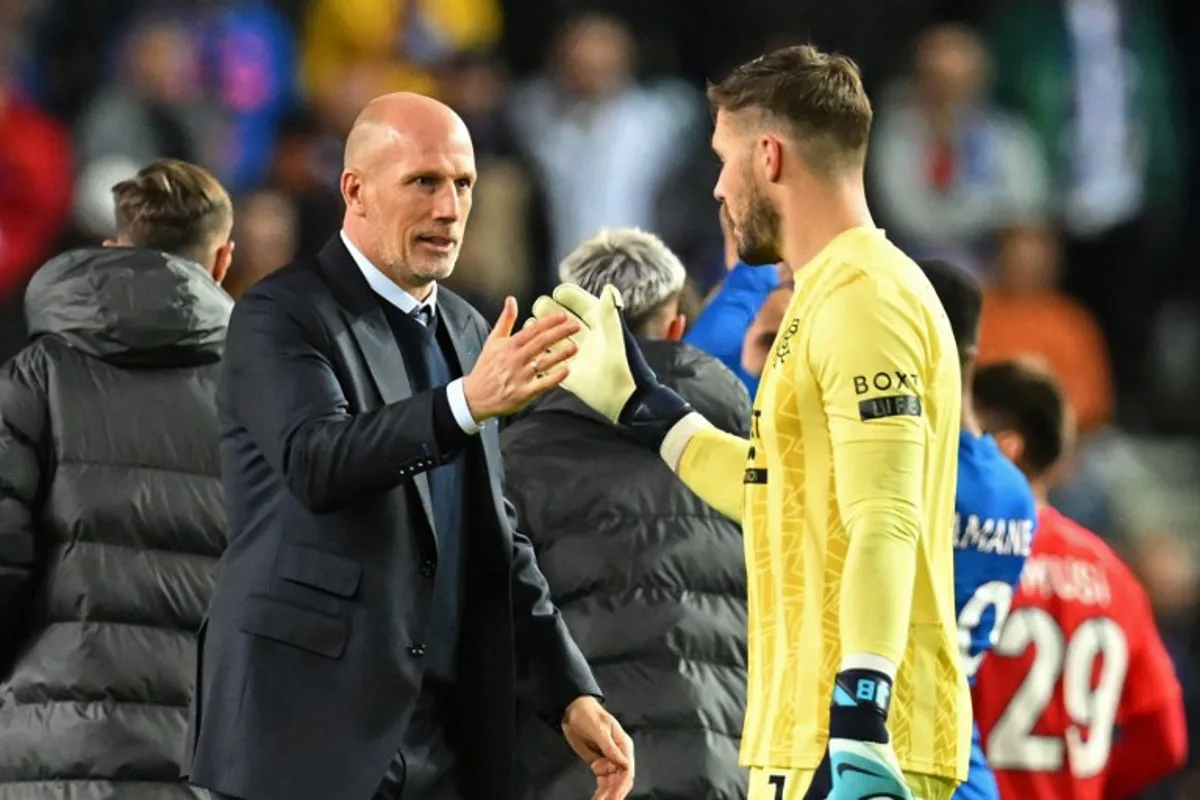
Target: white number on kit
(995,594)
(1091,710)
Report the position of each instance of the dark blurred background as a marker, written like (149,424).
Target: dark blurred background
(1046,145)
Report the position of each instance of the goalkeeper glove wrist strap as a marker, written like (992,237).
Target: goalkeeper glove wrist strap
(861,698)
(649,415)
(677,438)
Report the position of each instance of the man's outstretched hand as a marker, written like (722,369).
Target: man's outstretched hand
(598,739)
(515,368)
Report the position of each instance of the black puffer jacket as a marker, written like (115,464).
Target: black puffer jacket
(111,524)
(651,582)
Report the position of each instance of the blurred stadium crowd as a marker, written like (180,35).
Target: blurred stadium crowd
(1043,144)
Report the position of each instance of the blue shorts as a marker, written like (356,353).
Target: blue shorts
(981,783)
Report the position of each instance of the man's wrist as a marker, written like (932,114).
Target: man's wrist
(869,661)
(678,437)
(859,710)
(456,394)
(574,705)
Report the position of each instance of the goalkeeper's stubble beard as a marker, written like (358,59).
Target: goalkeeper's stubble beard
(758,230)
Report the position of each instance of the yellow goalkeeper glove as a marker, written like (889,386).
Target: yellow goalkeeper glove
(609,372)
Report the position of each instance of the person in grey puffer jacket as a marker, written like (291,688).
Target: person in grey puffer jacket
(111,515)
(650,580)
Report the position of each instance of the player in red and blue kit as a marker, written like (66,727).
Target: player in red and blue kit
(994,514)
(1079,700)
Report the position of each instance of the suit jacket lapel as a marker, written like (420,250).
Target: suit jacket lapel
(369,327)
(384,361)
(466,349)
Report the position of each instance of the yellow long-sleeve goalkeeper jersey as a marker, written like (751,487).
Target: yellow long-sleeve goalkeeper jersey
(846,494)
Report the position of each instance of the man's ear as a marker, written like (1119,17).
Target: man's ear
(676,328)
(1011,444)
(222,261)
(771,156)
(352,190)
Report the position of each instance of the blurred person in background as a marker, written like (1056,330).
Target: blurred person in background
(153,107)
(497,258)
(650,580)
(304,171)
(248,62)
(1078,699)
(1097,82)
(402,41)
(267,237)
(760,336)
(948,168)
(35,181)
(111,520)
(603,148)
(69,43)
(1026,313)
(35,162)
(994,513)
(1166,563)
(723,326)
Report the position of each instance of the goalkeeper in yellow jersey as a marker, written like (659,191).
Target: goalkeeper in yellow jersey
(845,489)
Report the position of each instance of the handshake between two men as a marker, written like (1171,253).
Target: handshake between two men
(581,342)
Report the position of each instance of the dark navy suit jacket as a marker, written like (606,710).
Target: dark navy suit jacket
(311,657)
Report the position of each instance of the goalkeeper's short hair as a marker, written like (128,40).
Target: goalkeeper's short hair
(641,267)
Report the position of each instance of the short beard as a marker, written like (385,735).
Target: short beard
(758,239)
(407,275)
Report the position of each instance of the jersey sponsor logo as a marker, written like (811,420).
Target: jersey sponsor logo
(1067,579)
(897,405)
(1002,537)
(886,381)
(784,348)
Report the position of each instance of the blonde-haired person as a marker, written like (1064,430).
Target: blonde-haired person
(111,520)
(650,277)
(649,579)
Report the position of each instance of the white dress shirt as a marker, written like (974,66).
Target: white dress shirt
(423,312)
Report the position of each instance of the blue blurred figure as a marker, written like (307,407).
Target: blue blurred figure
(994,514)
(249,59)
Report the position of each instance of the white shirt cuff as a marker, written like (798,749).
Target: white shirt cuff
(677,438)
(458,406)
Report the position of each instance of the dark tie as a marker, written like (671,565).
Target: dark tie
(423,314)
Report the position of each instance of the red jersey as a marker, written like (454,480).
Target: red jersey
(1078,663)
